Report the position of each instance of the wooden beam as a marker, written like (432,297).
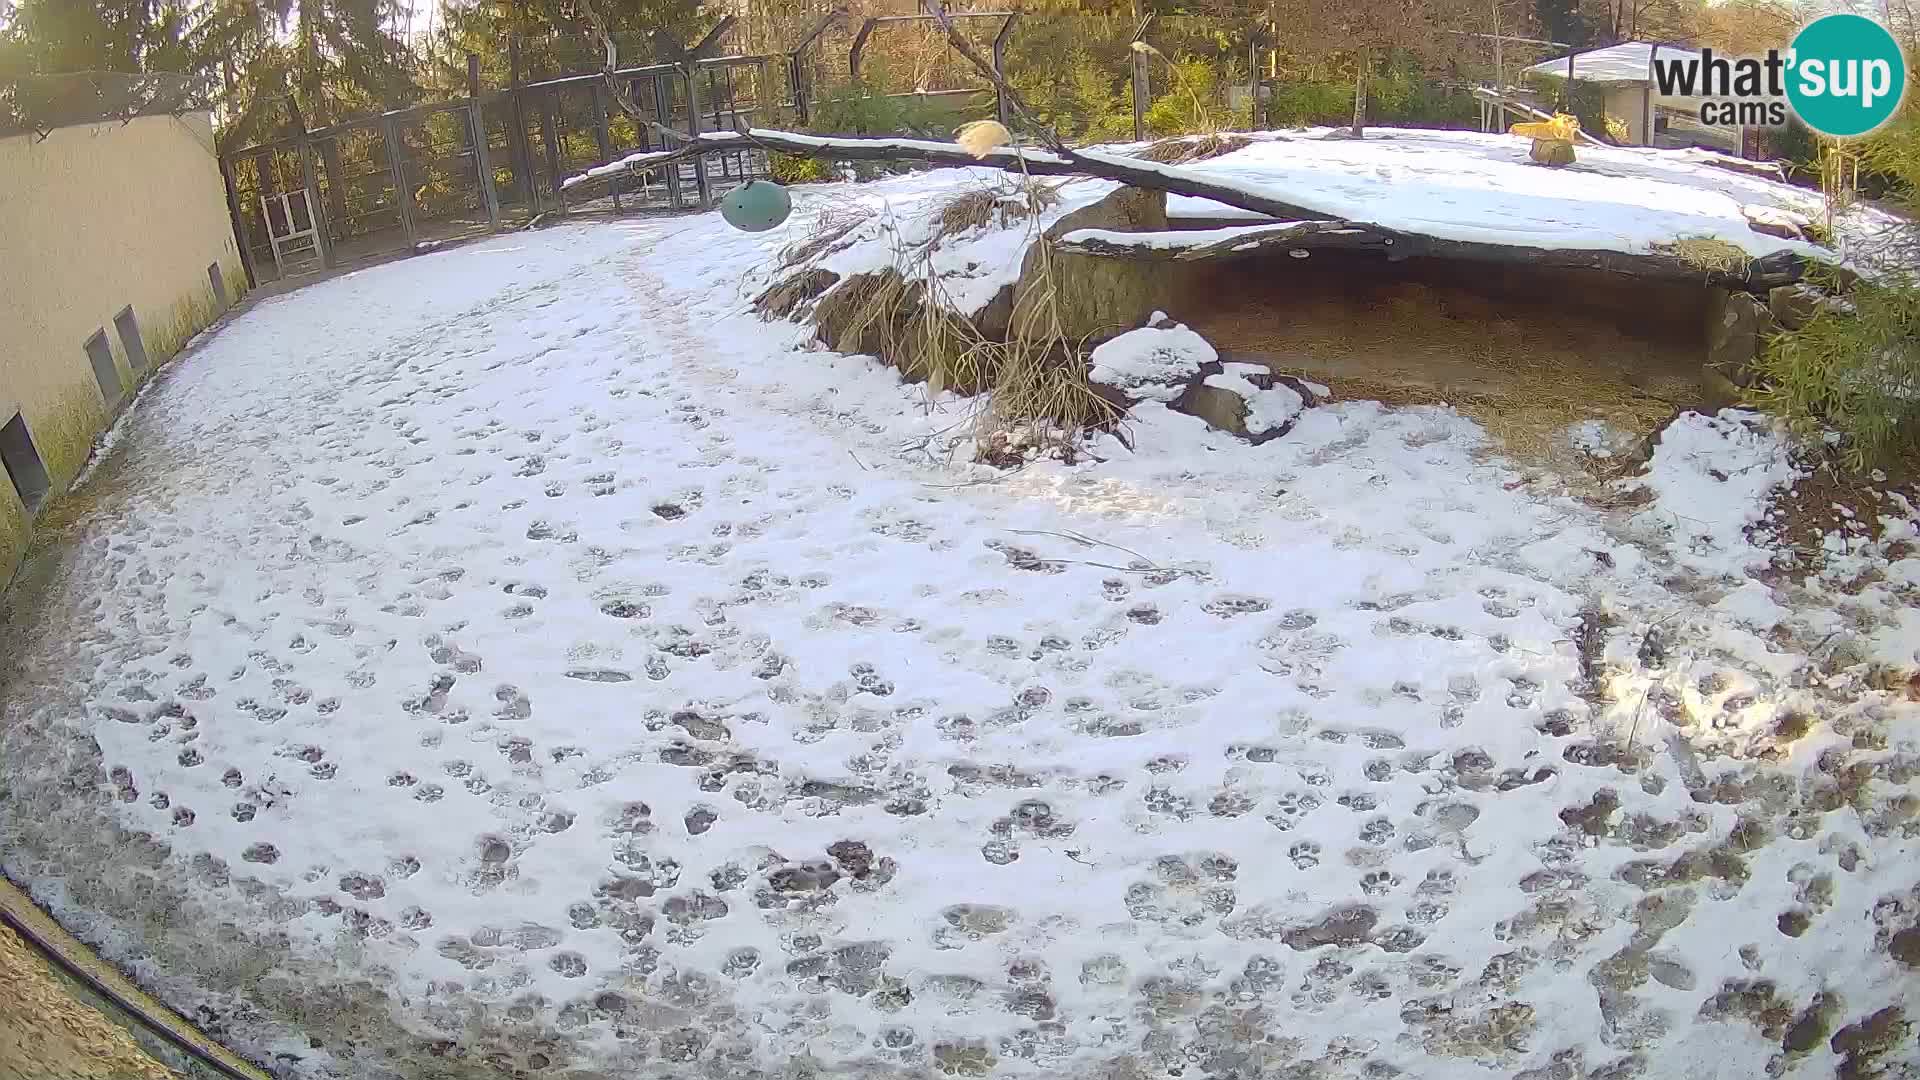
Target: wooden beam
(1002,108)
(712,41)
(1317,228)
(397,173)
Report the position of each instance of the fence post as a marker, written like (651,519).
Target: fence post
(797,79)
(397,173)
(602,130)
(1001,110)
(1139,95)
(239,222)
(316,207)
(661,110)
(483,164)
(550,135)
(523,189)
(693,132)
(477,136)
(335,171)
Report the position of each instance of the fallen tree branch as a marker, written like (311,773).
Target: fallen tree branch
(1305,237)
(1239,241)
(1135,171)
(1299,224)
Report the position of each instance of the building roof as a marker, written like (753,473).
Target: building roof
(1627,62)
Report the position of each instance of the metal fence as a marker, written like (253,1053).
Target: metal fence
(422,176)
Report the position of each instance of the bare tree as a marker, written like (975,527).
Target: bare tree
(1381,28)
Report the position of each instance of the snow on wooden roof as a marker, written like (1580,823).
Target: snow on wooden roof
(1627,62)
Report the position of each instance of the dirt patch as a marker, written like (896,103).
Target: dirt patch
(1527,356)
(1862,1044)
(1831,499)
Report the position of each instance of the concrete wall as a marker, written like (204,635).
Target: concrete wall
(1629,103)
(93,218)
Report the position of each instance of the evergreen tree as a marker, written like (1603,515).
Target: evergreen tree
(1561,20)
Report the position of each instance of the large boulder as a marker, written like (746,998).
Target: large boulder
(1091,294)
(1737,325)
(1157,362)
(1794,306)
(1168,363)
(1248,400)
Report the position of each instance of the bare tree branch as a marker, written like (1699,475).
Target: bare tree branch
(1041,131)
(622,94)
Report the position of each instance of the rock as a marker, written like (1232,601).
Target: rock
(1094,295)
(1553,152)
(1247,400)
(1794,306)
(1717,391)
(1157,362)
(1735,323)
(1223,410)
(1776,221)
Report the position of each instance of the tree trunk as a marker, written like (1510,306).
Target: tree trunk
(1360,92)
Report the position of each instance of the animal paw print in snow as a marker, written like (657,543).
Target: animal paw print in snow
(868,679)
(1290,807)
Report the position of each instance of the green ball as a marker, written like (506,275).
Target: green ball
(756,206)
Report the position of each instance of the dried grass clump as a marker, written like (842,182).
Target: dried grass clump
(1709,254)
(828,228)
(793,292)
(1031,388)
(1183,149)
(1000,205)
(867,313)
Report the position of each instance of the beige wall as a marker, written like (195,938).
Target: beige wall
(93,218)
(1629,103)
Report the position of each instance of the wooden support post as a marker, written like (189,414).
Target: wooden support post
(473,93)
(335,172)
(483,164)
(797,79)
(713,102)
(661,109)
(693,132)
(603,139)
(550,135)
(1646,102)
(517,149)
(239,222)
(477,138)
(1001,109)
(397,173)
(322,232)
(1139,95)
(602,127)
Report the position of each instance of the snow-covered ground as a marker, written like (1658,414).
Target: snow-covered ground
(522,658)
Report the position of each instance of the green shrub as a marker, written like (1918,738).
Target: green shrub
(1858,372)
(789,169)
(862,108)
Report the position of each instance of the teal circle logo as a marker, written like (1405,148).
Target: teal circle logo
(1848,75)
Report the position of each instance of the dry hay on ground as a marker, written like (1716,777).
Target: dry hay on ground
(1186,149)
(1523,374)
(1001,204)
(788,295)
(1708,254)
(47,1031)
(829,226)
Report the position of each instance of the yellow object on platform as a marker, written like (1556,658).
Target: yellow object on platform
(1561,128)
